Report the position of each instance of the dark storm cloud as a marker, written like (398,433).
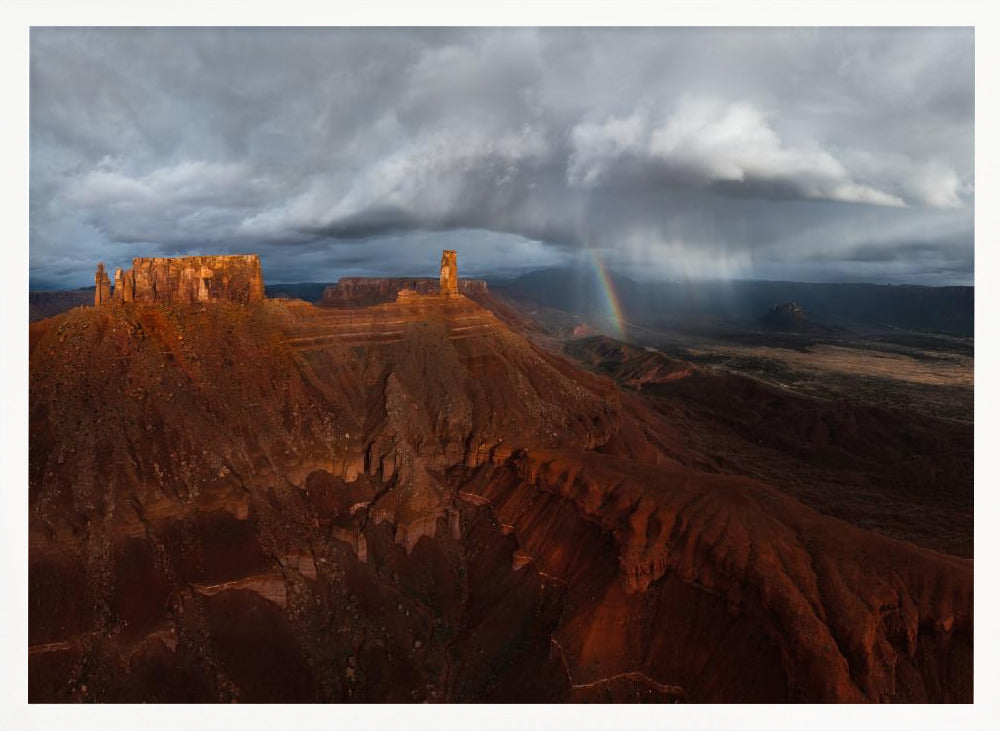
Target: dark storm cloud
(704,152)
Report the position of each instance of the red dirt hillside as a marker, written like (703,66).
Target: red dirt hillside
(411,502)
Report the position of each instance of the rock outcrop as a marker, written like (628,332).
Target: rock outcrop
(412,502)
(102,291)
(187,280)
(449,273)
(355,292)
(790,317)
(124,285)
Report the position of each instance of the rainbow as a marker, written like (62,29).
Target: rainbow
(614,305)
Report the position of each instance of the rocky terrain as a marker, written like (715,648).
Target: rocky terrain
(353,292)
(900,472)
(411,501)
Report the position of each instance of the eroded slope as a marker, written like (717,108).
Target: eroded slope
(407,502)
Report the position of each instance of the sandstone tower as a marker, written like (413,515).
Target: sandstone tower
(449,273)
(124,285)
(102,290)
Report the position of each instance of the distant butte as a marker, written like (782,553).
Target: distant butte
(357,292)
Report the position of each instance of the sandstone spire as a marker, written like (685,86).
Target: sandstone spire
(102,290)
(449,272)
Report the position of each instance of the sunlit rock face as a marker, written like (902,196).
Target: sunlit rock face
(449,272)
(188,279)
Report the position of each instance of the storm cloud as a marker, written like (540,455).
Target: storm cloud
(811,154)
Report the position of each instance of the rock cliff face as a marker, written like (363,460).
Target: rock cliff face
(190,279)
(354,292)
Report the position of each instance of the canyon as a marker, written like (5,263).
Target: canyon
(398,495)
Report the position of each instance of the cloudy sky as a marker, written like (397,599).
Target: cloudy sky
(807,154)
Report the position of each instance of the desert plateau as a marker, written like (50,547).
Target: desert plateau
(396,365)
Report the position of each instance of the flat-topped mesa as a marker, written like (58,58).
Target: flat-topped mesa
(356,292)
(189,279)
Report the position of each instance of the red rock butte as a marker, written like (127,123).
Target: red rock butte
(238,278)
(413,501)
(359,310)
(358,292)
(186,279)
